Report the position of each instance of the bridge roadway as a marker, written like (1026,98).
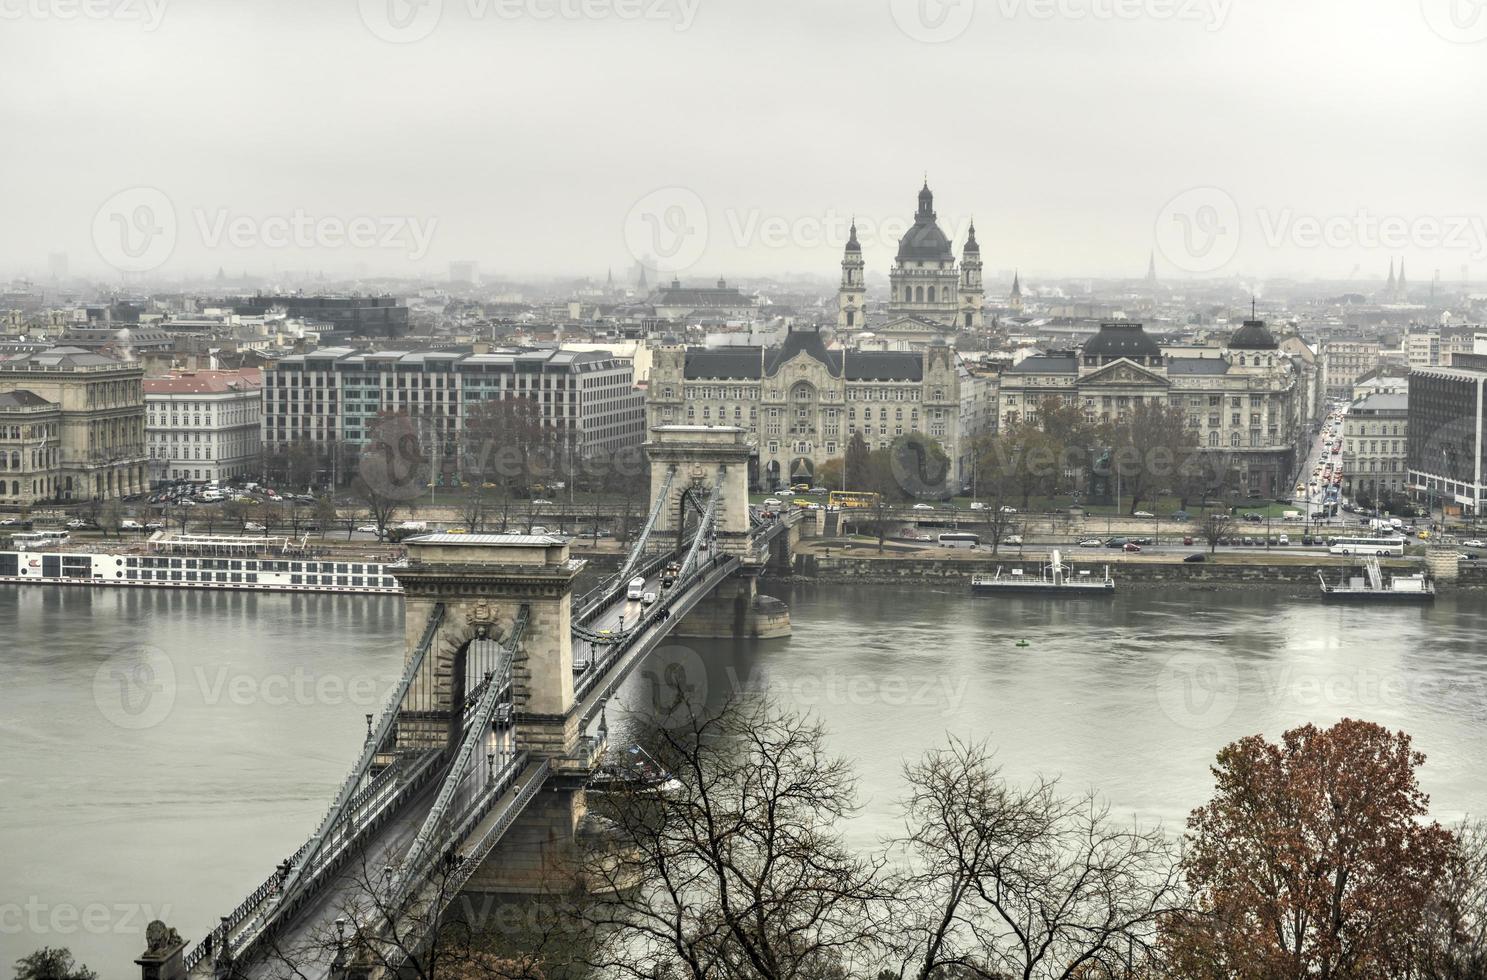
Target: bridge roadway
(487,798)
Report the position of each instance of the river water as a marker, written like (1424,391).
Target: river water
(163,750)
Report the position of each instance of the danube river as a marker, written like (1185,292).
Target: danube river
(163,750)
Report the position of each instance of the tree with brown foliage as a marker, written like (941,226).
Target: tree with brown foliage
(1311,860)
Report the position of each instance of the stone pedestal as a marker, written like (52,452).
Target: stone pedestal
(165,957)
(535,856)
(736,609)
(1442,564)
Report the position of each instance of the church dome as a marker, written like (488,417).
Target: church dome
(1253,336)
(925,242)
(1122,340)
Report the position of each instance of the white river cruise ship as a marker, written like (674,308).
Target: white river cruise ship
(196,561)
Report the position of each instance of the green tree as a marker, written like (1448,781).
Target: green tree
(1149,444)
(856,463)
(51,964)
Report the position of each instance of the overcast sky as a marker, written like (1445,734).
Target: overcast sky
(1257,137)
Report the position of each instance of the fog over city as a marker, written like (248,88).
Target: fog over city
(743,490)
(1262,138)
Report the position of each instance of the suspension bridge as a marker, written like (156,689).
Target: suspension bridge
(474,771)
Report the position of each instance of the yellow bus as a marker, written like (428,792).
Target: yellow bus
(851,500)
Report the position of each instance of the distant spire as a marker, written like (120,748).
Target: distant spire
(1390,284)
(852,243)
(926,201)
(1151,268)
(971,245)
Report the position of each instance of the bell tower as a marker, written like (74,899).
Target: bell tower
(851,296)
(972,294)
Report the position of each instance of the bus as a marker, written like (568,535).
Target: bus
(1367,546)
(851,500)
(959,539)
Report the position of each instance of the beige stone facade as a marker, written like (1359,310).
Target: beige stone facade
(100,424)
(800,403)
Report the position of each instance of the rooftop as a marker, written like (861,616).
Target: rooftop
(206,382)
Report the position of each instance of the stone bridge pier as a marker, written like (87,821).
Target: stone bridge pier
(699,459)
(483,580)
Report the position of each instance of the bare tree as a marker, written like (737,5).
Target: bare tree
(740,873)
(381,507)
(472,509)
(325,513)
(1008,881)
(1455,944)
(1217,528)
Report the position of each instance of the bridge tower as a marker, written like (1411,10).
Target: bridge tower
(694,460)
(483,581)
(691,457)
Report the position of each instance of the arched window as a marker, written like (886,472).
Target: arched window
(1213,439)
(1234,440)
(945,294)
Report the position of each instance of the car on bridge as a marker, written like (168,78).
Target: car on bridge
(1091,543)
(924,507)
(648,599)
(1132,547)
(1143,513)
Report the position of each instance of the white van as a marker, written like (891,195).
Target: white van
(637,588)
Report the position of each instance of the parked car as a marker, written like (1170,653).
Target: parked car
(129,524)
(1117,543)
(1143,513)
(366,529)
(1132,547)
(154,526)
(1014,539)
(1196,558)
(1091,543)
(1468,543)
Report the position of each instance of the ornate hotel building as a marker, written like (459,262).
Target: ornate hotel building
(1247,400)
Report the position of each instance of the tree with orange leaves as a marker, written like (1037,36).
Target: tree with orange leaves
(1312,860)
